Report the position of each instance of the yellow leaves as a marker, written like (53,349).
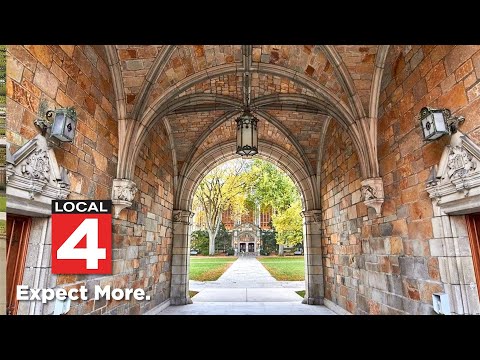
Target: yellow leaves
(288,225)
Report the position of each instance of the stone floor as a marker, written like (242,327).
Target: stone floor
(247,308)
(246,288)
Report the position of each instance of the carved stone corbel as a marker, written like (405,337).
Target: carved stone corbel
(312,216)
(123,193)
(372,194)
(182,216)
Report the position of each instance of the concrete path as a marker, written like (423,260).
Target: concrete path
(247,308)
(246,288)
(3,216)
(246,272)
(246,280)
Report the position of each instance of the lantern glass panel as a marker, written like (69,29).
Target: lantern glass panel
(439,122)
(57,128)
(69,128)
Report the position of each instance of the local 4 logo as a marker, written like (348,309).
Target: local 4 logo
(82,237)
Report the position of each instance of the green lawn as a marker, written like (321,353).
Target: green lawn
(3,204)
(206,268)
(285,268)
(192,293)
(301,293)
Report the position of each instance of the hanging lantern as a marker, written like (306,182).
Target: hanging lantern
(247,134)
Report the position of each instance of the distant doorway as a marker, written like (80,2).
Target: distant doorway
(243,247)
(251,247)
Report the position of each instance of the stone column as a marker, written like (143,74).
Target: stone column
(313,257)
(180,258)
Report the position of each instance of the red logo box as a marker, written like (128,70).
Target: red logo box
(81,236)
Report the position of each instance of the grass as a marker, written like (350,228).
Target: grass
(206,268)
(301,293)
(3,204)
(192,293)
(291,268)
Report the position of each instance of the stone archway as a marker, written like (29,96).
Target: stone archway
(188,182)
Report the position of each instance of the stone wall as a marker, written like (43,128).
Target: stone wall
(67,76)
(393,263)
(417,76)
(79,76)
(142,236)
(343,212)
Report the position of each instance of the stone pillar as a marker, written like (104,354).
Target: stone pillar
(180,257)
(313,257)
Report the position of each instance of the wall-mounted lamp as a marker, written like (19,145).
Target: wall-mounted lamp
(60,123)
(438,122)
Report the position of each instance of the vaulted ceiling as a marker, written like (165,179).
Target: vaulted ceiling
(199,90)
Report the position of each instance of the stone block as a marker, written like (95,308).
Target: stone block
(407,265)
(386,229)
(420,268)
(436,247)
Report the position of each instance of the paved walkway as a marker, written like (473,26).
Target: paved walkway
(246,272)
(247,288)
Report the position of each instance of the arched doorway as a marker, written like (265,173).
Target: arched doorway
(182,217)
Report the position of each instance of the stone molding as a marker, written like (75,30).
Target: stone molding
(312,216)
(33,176)
(372,194)
(454,184)
(123,193)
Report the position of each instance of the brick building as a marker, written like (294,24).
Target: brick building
(245,230)
(389,219)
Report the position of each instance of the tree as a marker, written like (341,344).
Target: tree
(200,241)
(221,189)
(272,188)
(223,240)
(269,242)
(288,225)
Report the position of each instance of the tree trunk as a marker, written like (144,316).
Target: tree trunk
(211,243)
(280,250)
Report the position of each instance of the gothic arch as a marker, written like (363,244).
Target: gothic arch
(189,179)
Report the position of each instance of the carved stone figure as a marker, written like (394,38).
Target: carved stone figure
(460,162)
(368,192)
(37,165)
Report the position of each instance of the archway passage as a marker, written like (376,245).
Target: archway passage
(259,207)
(216,156)
(152,118)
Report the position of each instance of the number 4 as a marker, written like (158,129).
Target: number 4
(92,253)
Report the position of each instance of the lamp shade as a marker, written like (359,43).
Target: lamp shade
(247,134)
(434,123)
(64,124)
